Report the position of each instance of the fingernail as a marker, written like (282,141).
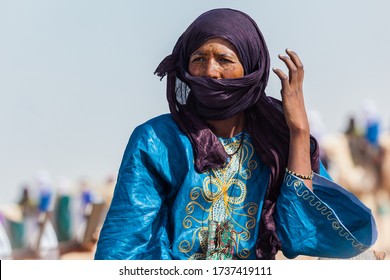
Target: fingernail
(288,50)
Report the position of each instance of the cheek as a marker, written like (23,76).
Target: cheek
(234,72)
(240,72)
(194,70)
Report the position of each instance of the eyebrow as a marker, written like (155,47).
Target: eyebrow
(197,53)
(221,54)
(226,54)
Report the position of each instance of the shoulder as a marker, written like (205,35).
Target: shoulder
(156,142)
(161,122)
(162,129)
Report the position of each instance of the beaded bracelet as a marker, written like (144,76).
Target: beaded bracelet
(304,177)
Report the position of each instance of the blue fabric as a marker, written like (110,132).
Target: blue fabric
(372,133)
(328,222)
(161,206)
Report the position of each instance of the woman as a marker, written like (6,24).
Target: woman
(230,173)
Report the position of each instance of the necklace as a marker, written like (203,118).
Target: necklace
(239,145)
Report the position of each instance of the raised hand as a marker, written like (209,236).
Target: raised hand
(295,114)
(292,93)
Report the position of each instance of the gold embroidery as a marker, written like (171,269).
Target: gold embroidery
(221,197)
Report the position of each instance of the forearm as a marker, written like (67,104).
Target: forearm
(299,154)
(299,160)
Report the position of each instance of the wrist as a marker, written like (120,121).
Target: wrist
(300,132)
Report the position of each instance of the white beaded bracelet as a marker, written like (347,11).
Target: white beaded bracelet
(303,177)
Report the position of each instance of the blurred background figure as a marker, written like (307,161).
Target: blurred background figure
(63,214)
(356,141)
(107,189)
(373,152)
(25,202)
(44,240)
(5,244)
(83,208)
(371,119)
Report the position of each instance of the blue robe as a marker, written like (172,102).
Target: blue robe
(163,209)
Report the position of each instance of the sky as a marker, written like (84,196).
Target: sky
(76,76)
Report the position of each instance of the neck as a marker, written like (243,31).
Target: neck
(229,127)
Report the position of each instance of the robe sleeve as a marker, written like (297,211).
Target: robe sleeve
(328,222)
(136,223)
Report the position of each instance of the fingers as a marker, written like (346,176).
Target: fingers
(294,57)
(283,78)
(292,91)
(294,66)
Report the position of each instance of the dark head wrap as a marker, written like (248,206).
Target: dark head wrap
(192,100)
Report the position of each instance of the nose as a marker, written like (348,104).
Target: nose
(213,69)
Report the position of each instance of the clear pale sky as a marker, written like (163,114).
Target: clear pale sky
(76,76)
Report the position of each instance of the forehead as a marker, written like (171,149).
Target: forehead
(218,43)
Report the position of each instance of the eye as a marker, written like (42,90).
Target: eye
(198,59)
(225,60)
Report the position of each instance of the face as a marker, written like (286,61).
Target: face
(216,58)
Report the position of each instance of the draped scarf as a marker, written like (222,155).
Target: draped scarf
(193,100)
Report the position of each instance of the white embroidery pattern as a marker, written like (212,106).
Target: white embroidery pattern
(304,193)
